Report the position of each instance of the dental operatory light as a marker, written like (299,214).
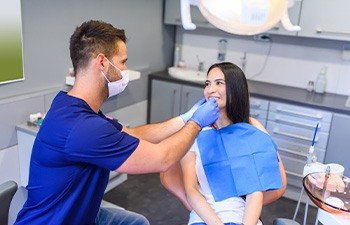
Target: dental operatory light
(242,17)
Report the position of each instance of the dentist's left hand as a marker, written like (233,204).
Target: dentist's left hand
(206,114)
(187,115)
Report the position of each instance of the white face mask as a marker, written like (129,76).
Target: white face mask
(117,87)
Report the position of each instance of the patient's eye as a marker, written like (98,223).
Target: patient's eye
(220,82)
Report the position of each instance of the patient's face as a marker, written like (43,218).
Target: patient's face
(215,87)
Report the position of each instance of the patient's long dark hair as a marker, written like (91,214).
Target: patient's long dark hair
(237,94)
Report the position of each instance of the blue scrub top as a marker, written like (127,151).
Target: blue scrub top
(72,156)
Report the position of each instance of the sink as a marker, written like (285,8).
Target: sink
(187,74)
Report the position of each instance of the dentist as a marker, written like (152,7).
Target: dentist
(77,145)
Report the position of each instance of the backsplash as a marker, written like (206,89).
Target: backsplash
(292,61)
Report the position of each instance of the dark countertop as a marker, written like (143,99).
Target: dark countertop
(298,96)
(24,127)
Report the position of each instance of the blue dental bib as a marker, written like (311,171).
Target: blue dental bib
(238,160)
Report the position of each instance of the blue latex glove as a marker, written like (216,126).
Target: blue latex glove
(187,115)
(206,114)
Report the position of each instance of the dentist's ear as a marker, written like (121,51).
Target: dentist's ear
(100,58)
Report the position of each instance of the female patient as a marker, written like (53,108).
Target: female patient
(231,164)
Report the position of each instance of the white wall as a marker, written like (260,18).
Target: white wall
(293,61)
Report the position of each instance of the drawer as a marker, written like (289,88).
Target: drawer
(302,112)
(257,103)
(296,134)
(298,121)
(295,180)
(293,165)
(258,114)
(298,151)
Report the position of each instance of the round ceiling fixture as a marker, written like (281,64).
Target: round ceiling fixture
(242,17)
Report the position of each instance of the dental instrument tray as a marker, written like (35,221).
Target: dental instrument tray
(329,191)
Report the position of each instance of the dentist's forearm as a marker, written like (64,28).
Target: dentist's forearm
(157,132)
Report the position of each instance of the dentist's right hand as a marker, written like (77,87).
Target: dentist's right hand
(206,114)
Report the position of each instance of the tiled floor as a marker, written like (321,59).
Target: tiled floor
(144,194)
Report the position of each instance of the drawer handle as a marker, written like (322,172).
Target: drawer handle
(320,30)
(255,105)
(299,113)
(294,174)
(292,152)
(278,118)
(276,131)
(255,114)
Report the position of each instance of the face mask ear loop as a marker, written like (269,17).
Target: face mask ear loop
(120,71)
(105,76)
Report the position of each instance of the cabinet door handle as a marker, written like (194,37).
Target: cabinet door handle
(200,22)
(318,116)
(278,118)
(276,131)
(173,105)
(292,151)
(320,30)
(186,101)
(294,174)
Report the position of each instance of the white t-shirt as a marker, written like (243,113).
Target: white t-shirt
(228,210)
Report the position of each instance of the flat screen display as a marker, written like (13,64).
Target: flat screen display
(11,60)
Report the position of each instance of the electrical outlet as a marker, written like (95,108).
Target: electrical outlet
(262,37)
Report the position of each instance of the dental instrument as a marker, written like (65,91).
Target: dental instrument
(311,157)
(311,166)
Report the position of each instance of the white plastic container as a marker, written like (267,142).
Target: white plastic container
(321,81)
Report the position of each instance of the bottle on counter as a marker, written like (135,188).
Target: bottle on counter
(181,64)
(321,81)
(310,86)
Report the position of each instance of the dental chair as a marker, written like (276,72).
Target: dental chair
(7,191)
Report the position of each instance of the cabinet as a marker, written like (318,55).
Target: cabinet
(325,19)
(258,109)
(338,150)
(170,99)
(26,137)
(292,128)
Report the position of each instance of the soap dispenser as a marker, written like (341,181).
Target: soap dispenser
(321,81)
